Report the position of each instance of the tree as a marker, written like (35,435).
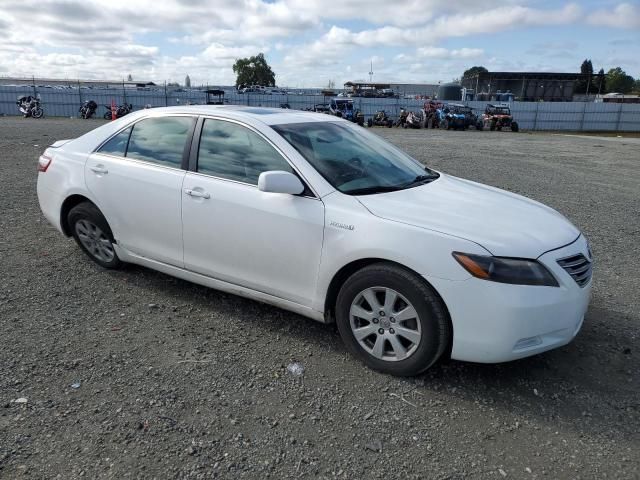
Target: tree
(254,71)
(187,82)
(470,72)
(618,81)
(600,79)
(636,86)
(129,78)
(586,70)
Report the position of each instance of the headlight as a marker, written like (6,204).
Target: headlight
(518,271)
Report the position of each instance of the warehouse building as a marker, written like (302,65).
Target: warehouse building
(527,86)
(57,82)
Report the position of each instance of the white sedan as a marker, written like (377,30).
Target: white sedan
(318,216)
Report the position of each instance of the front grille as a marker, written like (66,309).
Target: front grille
(578,267)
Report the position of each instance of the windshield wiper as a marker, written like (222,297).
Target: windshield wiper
(421,180)
(371,190)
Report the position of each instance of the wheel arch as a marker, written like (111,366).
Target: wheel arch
(70,202)
(350,268)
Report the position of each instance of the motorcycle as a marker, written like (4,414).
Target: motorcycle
(121,110)
(414,120)
(88,109)
(402,118)
(380,119)
(30,106)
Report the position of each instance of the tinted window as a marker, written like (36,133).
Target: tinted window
(229,150)
(160,140)
(118,144)
(353,160)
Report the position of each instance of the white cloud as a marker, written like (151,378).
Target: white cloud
(304,39)
(624,15)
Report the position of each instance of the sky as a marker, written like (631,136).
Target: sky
(310,43)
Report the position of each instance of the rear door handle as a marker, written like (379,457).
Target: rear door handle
(197,193)
(99,169)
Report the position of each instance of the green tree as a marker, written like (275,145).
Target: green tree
(586,70)
(618,81)
(470,72)
(636,86)
(254,71)
(601,81)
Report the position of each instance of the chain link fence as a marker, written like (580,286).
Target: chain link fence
(65,101)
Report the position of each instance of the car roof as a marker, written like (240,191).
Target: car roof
(269,116)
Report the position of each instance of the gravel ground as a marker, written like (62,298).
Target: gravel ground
(134,374)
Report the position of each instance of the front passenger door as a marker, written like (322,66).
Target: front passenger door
(236,233)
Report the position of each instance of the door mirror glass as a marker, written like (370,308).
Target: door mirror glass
(277,181)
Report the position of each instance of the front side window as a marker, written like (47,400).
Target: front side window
(352,160)
(160,140)
(231,151)
(117,145)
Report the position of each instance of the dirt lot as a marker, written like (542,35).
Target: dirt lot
(175,380)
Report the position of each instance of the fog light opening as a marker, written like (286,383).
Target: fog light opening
(527,343)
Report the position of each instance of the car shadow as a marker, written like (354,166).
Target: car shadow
(592,382)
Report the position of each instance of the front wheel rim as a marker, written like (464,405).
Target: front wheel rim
(95,241)
(385,324)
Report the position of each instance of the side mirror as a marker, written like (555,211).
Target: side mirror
(277,181)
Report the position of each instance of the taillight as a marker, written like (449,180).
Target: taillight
(43,163)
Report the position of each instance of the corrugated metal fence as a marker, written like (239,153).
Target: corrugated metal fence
(574,116)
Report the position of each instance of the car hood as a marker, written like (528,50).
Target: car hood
(504,223)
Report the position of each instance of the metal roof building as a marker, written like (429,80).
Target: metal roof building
(527,86)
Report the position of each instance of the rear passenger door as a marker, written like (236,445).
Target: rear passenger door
(136,178)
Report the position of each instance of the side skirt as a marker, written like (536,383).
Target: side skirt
(127,256)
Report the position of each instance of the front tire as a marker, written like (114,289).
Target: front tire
(37,112)
(93,235)
(392,320)
(514,126)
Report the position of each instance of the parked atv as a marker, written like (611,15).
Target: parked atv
(497,117)
(470,119)
(380,119)
(344,108)
(430,110)
(450,117)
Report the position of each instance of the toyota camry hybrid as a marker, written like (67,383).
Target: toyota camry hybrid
(317,215)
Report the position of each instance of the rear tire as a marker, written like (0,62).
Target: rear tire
(514,126)
(415,326)
(93,235)
(107,115)
(37,112)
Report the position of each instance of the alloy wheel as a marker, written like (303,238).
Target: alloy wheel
(385,324)
(95,240)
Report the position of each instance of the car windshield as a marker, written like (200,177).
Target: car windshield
(353,160)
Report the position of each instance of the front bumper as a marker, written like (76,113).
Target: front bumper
(495,322)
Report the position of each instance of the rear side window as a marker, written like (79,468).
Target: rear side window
(160,140)
(117,145)
(228,150)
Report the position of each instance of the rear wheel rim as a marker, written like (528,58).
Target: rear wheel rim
(95,241)
(385,324)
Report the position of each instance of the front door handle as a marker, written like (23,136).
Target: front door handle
(99,169)
(197,193)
